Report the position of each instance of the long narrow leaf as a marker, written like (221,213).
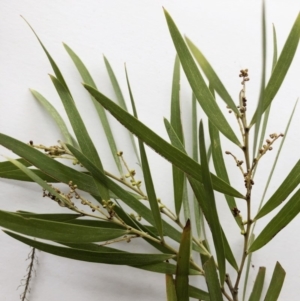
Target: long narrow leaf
(170,287)
(282,219)
(198,84)
(150,190)
(267,113)
(57,231)
(82,135)
(212,280)
(119,94)
(55,169)
(283,191)
(281,68)
(52,62)
(259,106)
(178,176)
(132,259)
(276,283)
(173,155)
(183,264)
(87,78)
(258,285)
(55,115)
(212,214)
(134,113)
(220,167)
(211,75)
(199,219)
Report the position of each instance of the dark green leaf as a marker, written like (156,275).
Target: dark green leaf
(283,191)
(259,106)
(56,217)
(267,113)
(150,190)
(220,168)
(134,112)
(212,214)
(132,259)
(55,169)
(183,162)
(57,231)
(281,68)
(199,219)
(198,84)
(178,176)
(123,195)
(183,264)
(276,283)
(282,219)
(228,252)
(258,285)
(162,267)
(52,62)
(82,135)
(212,280)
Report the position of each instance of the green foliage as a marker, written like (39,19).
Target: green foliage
(92,223)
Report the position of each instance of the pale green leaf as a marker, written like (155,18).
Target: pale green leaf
(87,78)
(55,115)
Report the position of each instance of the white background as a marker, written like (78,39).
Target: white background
(135,32)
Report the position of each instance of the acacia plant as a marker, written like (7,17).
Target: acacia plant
(124,207)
